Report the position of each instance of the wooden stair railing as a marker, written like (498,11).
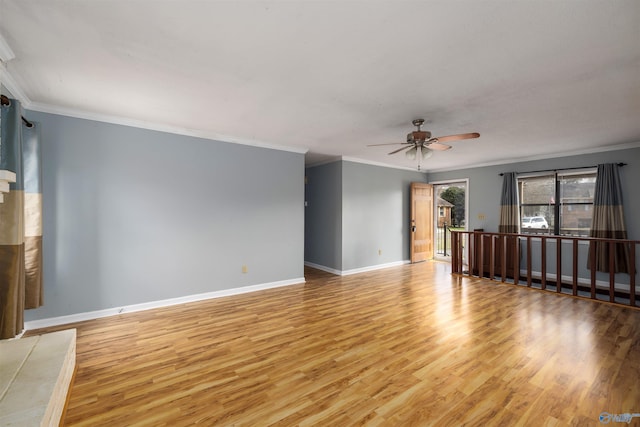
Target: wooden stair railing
(497,256)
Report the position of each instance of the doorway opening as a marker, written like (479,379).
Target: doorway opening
(450,213)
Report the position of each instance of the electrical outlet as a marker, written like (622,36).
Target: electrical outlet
(481,217)
(244,269)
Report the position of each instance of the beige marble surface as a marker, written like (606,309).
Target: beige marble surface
(35,375)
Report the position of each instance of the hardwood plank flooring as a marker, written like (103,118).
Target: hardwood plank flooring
(405,346)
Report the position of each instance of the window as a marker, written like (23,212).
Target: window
(557,203)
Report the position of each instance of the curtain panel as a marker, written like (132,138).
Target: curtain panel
(509,215)
(608,220)
(20,221)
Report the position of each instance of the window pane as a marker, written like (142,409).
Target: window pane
(537,190)
(537,204)
(577,188)
(541,208)
(536,219)
(575,219)
(575,215)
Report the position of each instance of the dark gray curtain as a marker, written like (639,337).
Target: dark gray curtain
(509,204)
(20,221)
(608,220)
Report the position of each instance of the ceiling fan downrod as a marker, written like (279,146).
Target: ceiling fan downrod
(418,123)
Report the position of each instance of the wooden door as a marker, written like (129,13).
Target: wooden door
(421,221)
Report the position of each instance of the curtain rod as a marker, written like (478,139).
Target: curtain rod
(4,100)
(564,169)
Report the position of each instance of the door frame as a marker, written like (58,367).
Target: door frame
(466,208)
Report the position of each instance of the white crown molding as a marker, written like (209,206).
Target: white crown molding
(6,54)
(384,165)
(81,317)
(591,150)
(13,87)
(123,121)
(16,91)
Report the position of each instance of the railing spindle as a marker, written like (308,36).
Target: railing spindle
(454,256)
(575,267)
(528,261)
(492,257)
(558,264)
(592,258)
(516,260)
(543,261)
(483,246)
(612,271)
(471,259)
(503,260)
(481,255)
(632,275)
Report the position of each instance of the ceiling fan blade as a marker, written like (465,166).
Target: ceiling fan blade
(393,143)
(457,137)
(438,147)
(400,149)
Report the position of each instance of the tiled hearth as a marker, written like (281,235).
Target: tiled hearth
(35,377)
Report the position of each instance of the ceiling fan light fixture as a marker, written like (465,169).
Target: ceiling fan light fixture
(425,142)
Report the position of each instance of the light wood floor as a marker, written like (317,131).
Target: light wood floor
(403,346)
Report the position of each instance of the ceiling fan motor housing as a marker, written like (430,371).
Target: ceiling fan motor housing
(418,136)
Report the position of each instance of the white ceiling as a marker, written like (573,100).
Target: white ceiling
(536,78)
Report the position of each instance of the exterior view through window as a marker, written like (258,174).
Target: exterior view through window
(557,203)
(450,214)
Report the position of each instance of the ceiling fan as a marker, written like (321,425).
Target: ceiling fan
(421,140)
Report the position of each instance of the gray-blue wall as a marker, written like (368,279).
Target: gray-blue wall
(133,216)
(357,215)
(484,200)
(375,214)
(485,185)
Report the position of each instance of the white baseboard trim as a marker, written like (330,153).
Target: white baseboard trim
(323,268)
(90,315)
(375,267)
(356,270)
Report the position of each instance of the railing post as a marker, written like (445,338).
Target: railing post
(558,264)
(471,247)
(445,237)
(483,258)
(632,274)
(492,257)
(612,271)
(529,261)
(480,252)
(593,247)
(454,253)
(575,267)
(543,262)
(516,260)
